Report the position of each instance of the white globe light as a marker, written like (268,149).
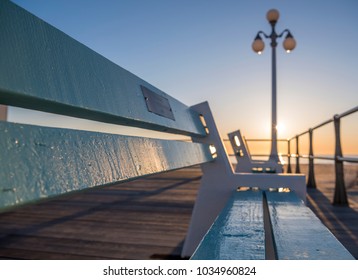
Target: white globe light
(272,15)
(289,44)
(258,46)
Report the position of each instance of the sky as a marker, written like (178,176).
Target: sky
(197,50)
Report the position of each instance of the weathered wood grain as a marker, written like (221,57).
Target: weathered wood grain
(238,232)
(298,233)
(39,162)
(39,231)
(142,219)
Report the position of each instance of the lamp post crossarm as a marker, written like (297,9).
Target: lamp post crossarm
(283,32)
(263,33)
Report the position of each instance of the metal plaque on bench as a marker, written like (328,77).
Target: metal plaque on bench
(157,104)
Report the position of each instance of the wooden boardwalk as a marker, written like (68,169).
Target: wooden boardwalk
(342,221)
(142,219)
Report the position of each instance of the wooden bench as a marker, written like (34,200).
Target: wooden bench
(243,157)
(41,68)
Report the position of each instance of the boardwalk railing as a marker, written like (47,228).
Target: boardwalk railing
(340,195)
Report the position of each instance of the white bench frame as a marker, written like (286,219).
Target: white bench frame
(219,181)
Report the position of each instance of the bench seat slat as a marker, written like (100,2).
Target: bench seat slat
(39,162)
(42,68)
(238,232)
(298,233)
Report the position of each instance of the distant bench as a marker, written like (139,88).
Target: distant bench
(43,69)
(244,160)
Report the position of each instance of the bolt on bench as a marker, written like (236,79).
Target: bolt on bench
(41,68)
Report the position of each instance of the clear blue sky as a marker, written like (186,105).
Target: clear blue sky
(198,50)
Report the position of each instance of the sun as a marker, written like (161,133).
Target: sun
(280,127)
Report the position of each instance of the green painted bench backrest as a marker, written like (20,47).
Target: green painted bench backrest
(42,68)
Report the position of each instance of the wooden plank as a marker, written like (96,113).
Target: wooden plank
(38,162)
(76,248)
(44,69)
(238,232)
(298,233)
(126,224)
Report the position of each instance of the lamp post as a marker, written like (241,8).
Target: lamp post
(258,46)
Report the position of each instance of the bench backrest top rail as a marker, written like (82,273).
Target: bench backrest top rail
(42,68)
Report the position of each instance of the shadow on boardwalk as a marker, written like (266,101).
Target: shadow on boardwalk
(341,221)
(142,219)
